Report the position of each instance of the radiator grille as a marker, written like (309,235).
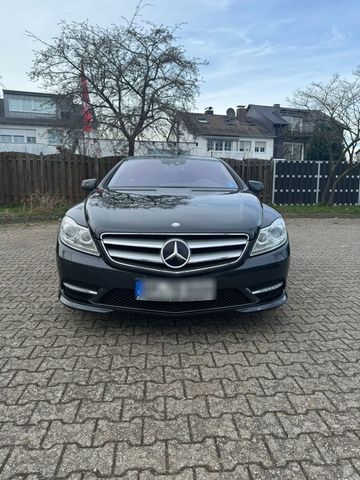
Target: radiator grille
(145,251)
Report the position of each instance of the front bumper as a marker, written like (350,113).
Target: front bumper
(115,287)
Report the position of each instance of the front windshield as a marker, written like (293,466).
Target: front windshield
(173,172)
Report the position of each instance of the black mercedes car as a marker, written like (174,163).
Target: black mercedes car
(173,235)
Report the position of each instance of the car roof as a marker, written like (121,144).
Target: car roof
(172,157)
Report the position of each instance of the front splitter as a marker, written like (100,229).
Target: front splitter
(88,307)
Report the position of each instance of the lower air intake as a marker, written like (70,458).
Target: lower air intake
(122,297)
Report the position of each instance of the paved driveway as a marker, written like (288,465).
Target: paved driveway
(269,396)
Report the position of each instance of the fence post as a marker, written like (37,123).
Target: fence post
(318,183)
(273,183)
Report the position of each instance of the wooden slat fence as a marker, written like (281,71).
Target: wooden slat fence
(255,169)
(60,175)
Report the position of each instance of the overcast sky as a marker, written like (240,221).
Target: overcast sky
(259,51)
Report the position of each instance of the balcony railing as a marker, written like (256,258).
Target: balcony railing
(235,154)
(304,129)
(34,148)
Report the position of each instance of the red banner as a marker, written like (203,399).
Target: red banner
(86,108)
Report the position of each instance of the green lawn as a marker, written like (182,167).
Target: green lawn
(319,209)
(20,211)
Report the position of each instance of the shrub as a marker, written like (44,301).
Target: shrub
(43,203)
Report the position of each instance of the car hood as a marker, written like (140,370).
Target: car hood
(156,211)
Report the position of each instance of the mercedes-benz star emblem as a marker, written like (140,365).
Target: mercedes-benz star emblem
(175,253)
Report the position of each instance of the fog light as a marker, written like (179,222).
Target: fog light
(268,289)
(75,288)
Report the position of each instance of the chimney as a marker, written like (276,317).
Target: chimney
(209,111)
(230,114)
(241,113)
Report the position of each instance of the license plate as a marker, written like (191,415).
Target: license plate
(165,290)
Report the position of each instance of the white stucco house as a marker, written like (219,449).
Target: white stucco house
(40,123)
(233,135)
(33,122)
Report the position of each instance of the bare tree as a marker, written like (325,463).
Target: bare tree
(336,104)
(138,76)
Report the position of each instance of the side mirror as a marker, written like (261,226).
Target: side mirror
(255,186)
(89,185)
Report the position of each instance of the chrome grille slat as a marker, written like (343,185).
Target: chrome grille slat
(215,243)
(143,251)
(214,257)
(140,257)
(132,242)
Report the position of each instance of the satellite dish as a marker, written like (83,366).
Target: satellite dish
(230,114)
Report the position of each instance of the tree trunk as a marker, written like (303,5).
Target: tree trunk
(332,193)
(326,192)
(131,148)
(325,196)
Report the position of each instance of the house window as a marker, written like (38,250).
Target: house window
(227,145)
(219,145)
(9,135)
(55,137)
(245,146)
(295,123)
(44,106)
(293,151)
(260,147)
(15,105)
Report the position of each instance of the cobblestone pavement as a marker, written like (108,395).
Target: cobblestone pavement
(268,396)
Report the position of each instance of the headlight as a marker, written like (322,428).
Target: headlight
(76,236)
(270,237)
